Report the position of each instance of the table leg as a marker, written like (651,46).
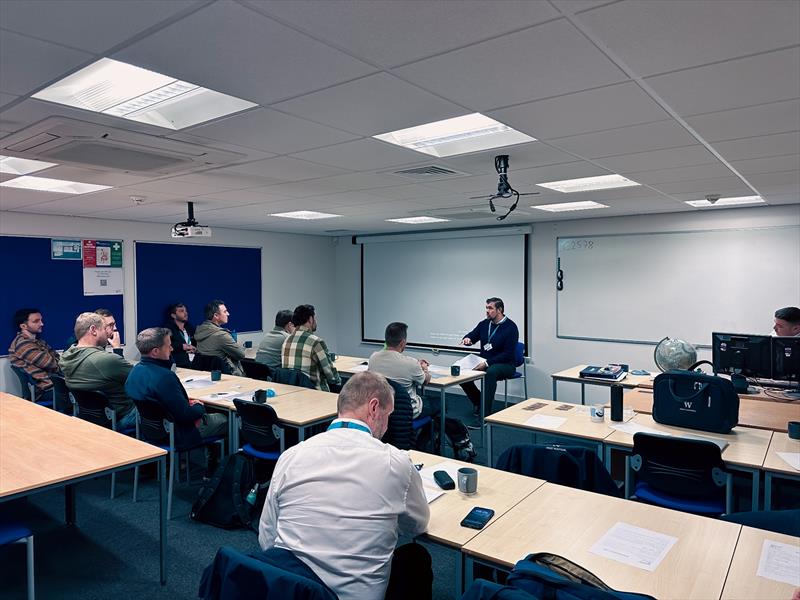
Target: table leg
(301,434)
(233,431)
(441,421)
(756,485)
(489,444)
(459,574)
(555,389)
(162,515)
(627,477)
(483,405)
(469,573)
(583,394)
(767,490)
(69,504)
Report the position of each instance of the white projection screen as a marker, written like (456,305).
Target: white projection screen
(439,286)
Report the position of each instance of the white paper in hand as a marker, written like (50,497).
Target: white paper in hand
(469,362)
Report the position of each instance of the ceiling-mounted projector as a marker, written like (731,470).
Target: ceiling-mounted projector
(190,227)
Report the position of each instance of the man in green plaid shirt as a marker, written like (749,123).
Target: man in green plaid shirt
(307,352)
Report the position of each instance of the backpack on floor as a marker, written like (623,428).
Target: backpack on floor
(222,501)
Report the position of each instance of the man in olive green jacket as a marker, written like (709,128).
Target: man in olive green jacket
(214,340)
(87,366)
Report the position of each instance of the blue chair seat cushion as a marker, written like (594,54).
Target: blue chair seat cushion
(251,450)
(11,532)
(420,422)
(516,375)
(646,493)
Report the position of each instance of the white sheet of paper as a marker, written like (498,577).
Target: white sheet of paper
(546,421)
(780,562)
(635,546)
(432,494)
(247,396)
(791,458)
(469,362)
(195,383)
(632,428)
(439,369)
(358,368)
(447,465)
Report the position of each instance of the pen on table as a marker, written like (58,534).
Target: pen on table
(188,380)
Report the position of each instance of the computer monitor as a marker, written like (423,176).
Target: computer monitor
(742,354)
(786,358)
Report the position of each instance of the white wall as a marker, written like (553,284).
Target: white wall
(551,354)
(295,269)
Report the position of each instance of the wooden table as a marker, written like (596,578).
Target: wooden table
(573,376)
(497,490)
(578,429)
(43,449)
(568,522)
(347,365)
(743,582)
(752,413)
(776,467)
(746,450)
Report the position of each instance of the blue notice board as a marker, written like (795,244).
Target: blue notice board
(194,275)
(32,279)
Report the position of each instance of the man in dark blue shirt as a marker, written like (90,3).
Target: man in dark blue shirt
(498,336)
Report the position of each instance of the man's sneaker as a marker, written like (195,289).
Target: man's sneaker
(466,452)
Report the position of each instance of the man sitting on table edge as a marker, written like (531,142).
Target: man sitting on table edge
(29,352)
(498,336)
(214,340)
(152,380)
(339,499)
(787,322)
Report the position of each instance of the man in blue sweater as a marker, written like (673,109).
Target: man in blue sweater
(498,336)
(152,380)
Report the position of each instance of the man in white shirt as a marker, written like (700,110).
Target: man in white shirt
(787,321)
(339,500)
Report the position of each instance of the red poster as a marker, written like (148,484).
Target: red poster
(89,254)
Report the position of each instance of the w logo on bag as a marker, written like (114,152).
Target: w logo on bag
(687,404)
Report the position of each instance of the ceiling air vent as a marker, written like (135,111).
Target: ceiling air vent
(428,173)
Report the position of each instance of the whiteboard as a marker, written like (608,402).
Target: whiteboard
(439,286)
(641,287)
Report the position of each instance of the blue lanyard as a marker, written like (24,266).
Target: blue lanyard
(349,425)
(491,333)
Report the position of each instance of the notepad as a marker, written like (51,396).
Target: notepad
(448,465)
(194,383)
(469,362)
(431,494)
(634,546)
(791,458)
(545,421)
(246,396)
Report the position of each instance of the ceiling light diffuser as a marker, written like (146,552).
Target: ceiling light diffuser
(115,88)
(418,220)
(459,135)
(305,215)
(45,184)
(567,206)
(12,165)
(588,184)
(726,201)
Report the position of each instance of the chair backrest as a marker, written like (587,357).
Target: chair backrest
(399,432)
(61,393)
(205,362)
(154,423)
(256,370)
(292,377)
(779,521)
(26,382)
(519,354)
(260,424)
(678,466)
(93,406)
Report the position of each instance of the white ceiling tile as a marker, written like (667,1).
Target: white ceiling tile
(266,129)
(376,104)
(773,164)
(572,170)
(762,146)
(583,112)
(654,36)
(576,6)
(397,32)
(174,186)
(13,198)
(231,49)
(242,197)
(83,175)
(522,156)
(778,117)
(548,60)
(284,168)
(361,155)
(93,26)
(216,181)
(669,158)
(42,63)
(627,140)
(405,192)
(7,99)
(707,171)
(716,185)
(757,79)
(788,180)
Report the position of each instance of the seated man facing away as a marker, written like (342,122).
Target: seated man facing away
(339,499)
(182,333)
(307,352)
(214,340)
(31,353)
(152,380)
(87,366)
(269,350)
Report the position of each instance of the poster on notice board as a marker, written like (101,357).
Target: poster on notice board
(102,267)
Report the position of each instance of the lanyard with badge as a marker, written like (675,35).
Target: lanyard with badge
(349,425)
(488,345)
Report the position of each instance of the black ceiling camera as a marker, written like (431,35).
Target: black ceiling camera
(504,189)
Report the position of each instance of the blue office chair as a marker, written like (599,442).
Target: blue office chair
(29,388)
(519,361)
(779,521)
(12,533)
(680,473)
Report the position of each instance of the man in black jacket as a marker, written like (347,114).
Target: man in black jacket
(182,332)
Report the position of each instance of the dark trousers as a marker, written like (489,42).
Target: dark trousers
(412,574)
(496,372)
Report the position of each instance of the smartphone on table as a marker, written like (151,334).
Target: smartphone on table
(477,518)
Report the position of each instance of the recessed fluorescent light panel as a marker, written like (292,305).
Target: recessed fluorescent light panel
(470,133)
(305,215)
(567,206)
(726,201)
(418,220)
(45,184)
(115,88)
(12,165)
(588,184)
